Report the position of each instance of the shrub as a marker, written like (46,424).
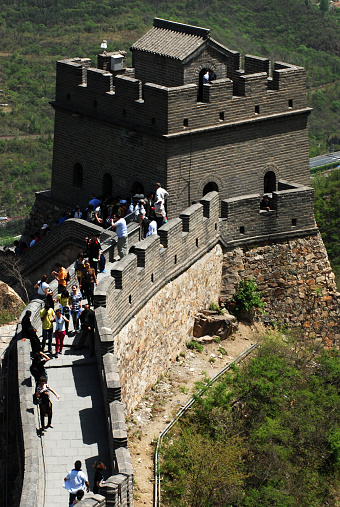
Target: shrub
(194,345)
(247,297)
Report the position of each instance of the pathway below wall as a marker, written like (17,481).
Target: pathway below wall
(79,430)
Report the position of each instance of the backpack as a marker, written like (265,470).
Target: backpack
(92,216)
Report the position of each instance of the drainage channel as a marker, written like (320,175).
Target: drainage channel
(157,486)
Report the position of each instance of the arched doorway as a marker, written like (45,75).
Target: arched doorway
(269,182)
(107,184)
(137,188)
(77,177)
(210,187)
(205,76)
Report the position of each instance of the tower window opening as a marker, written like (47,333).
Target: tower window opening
(257,109)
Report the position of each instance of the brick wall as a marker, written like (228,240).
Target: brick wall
(291,211)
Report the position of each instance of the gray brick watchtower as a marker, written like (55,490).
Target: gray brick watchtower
(119,128)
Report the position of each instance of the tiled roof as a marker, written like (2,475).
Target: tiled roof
(167,42)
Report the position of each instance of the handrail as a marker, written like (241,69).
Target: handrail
(157,486)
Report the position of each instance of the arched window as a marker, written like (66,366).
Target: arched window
(269,182)
(107,184)
(77,175)
(210,187)
(137,188)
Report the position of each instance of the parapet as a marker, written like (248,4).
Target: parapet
(120,98)
(157,260)
(291,214)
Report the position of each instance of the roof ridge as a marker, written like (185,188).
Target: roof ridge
(181,27)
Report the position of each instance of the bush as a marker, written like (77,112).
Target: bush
(246,298)
(194,345)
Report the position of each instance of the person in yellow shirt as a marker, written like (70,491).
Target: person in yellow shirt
(47,316)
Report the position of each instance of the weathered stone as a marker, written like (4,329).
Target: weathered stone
(209,322)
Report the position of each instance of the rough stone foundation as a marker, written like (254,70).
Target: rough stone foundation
(297,283)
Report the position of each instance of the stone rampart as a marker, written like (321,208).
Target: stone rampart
(291,213)
(63,244)
(160,109)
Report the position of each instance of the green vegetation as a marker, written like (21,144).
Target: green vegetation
(194,345)
(214,306)
(246,299)
(36,33)
(266,434)
(327,213)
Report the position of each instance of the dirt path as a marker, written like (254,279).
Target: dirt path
(166,397)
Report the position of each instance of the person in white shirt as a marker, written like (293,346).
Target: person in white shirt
(161,196)
(152,226)
(119,225)
(76,480)
(42,287)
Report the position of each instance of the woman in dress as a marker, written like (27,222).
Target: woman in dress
(42,392)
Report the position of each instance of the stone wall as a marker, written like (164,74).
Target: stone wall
(154,337)
(297,283)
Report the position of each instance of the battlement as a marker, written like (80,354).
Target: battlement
(122,98)
(291,211)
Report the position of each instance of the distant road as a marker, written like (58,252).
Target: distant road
(324,159)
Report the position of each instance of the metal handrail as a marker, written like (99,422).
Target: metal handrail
(157,485)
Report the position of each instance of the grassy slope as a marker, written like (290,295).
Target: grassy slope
(35,33)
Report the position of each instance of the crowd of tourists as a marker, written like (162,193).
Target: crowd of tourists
(112,212)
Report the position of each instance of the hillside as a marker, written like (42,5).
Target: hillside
(36,33)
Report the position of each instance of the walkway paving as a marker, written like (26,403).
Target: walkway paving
(79,422)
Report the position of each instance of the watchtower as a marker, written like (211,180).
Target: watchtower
(185,114)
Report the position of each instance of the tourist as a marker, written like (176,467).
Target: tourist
(60,331)
(87,321)
(265,203)
(61,276)
(76,480)
(98,476)
(87,281)
(75,307)
(160,198)
(64,305)
(37,367)
(78,267)
(93,251)
(42,287)
(152,231)
(28,331)
(47,316)
(119,225)
(45,405)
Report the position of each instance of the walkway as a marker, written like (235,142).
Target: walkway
(79,421)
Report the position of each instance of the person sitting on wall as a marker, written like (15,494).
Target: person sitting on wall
(152,231)
(265,203)
(76,213)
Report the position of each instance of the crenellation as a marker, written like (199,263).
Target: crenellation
(254,64)
(99,80)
